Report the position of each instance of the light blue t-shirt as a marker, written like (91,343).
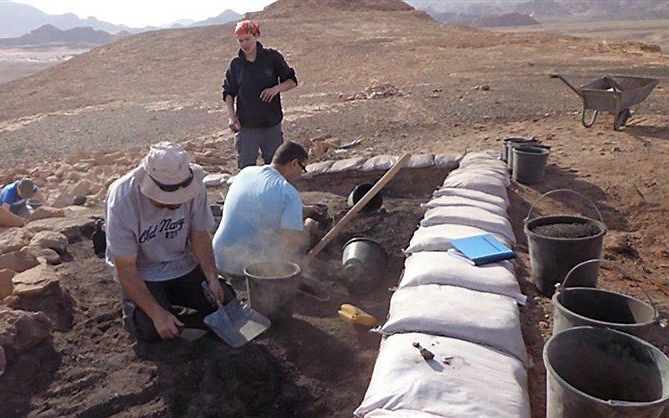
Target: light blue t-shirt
(10,194)
(260,202)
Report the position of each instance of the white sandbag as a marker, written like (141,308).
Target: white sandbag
(230,180)
(451,311)
(438,267)
(318,168)
(472,194)
(439,237)
(488,156)
(449,161)
(464,380)
(470,216)
(502,176)
(463,201)
(420,161)
(480,182)
(346,165)
(379,162)
(493,165)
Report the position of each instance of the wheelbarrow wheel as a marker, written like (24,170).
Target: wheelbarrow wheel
(621,119)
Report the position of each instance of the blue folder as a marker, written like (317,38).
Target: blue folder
(483,249)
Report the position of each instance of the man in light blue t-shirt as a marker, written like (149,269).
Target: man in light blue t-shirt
(263,217)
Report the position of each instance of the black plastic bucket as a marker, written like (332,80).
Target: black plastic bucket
(584,306)
(574,239)
(600,372)
(529,164)
(359,191)
(272,287)
(509,143)
(364,262)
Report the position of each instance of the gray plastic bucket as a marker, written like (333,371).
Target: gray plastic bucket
(529,164)
(510,143)
(584,306)
(551,257)
(600,372)
(272,287)
(364,262)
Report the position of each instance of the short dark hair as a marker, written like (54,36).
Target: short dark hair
(289,151)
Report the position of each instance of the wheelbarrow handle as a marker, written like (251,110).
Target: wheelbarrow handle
(558,76)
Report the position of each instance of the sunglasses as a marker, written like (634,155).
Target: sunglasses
(174,187)
(302,166)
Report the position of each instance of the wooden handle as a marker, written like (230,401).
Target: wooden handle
(358,206)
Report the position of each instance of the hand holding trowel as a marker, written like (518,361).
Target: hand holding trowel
(236,323)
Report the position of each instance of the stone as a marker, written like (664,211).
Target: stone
(79,200)
(73,176)
(50,239)
(63,199)
(215,180)
(36,281)
(6,284)
(13,239)
(45,212)
(211,160)
(81,188)
(73,225)
(18,261)
(82,167)
(22,330)
(45,255)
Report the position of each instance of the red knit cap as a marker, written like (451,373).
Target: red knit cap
(247,27)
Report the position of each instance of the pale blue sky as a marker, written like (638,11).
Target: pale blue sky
(138,13)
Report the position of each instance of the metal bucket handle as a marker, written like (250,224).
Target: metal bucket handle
(559,286)
(529,214)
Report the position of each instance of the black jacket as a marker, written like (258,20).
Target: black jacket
(245,80)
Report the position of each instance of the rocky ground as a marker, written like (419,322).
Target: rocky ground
(397,82)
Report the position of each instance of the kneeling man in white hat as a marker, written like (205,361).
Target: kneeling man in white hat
(158,241)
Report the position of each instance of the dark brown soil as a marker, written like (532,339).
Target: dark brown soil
(567,230)
(315,365)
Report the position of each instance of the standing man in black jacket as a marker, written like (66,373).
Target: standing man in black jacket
(252,91)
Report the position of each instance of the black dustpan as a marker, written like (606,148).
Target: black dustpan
(235,323)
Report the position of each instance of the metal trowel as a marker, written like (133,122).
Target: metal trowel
(236,323)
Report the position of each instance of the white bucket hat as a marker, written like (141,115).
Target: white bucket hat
(167,176)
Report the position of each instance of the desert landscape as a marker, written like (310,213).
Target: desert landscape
(377,72)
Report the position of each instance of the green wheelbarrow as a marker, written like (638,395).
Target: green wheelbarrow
(613,94)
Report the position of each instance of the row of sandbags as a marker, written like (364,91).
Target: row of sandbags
(466,316)
(362,164)
(382,162)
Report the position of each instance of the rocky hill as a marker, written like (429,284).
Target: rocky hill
(19,19)
(49,36)
(619,9)
(225,17)
(509,19)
